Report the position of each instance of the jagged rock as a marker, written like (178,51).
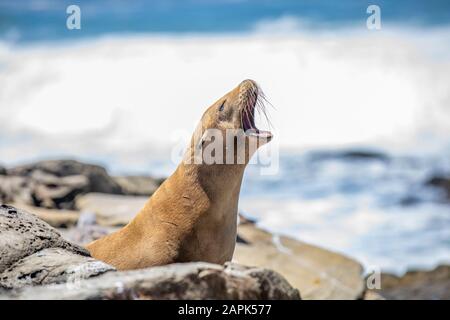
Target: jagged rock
(41,189)
(316,272)
(55,218)
(38,263)
(57,192)
(138,185)
(98,178)
(16,189)
(111,210)
(177,281)
(53,265)
(33,252)
(56,183)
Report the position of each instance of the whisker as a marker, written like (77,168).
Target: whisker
(263,96)
(248,112)
(261,106)
(255,99)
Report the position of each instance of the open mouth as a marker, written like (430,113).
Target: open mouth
(254,101)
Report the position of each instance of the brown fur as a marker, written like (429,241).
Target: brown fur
(193,214)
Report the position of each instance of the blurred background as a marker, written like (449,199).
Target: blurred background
(361,117)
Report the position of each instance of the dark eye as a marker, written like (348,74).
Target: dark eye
(222,106)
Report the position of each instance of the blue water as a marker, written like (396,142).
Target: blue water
(379,210)
(45,20)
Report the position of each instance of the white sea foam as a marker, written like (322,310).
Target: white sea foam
(129,93)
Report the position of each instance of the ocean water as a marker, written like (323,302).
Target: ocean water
(44,20)
(379,210)
(127,90)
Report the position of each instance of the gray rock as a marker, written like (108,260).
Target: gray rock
(53,265)
(25,257)
(98,178)
(138,185)
(38,263)
(57,218)
(43,190)
(176,281)
(55,184)
(16,189)
(54,192)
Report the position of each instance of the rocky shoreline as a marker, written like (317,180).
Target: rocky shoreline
(416,284)
(83,202)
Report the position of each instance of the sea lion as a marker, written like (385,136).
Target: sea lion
(192,216)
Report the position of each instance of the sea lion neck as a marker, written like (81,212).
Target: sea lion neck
(218,181)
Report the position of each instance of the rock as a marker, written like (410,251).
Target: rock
(442,182)
(55,218)
(421,285)
(32,252)
(349,155)
(53,265)
(138,185)
(111,210)
(316,272)
(42,190)
(177,281)
(38,263)
(16,189)
(57,192)
(98,178)
(245,220)
(56,183)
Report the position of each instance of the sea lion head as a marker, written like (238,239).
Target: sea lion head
(231,119)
